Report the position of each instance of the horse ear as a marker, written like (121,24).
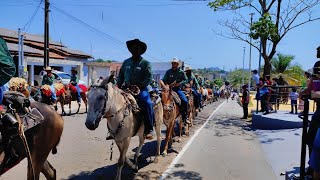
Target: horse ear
(110,78)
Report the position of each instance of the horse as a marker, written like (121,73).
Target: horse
(60,94)
(72,96)
(191,112)
(43,140)
(107,101)
(171,112)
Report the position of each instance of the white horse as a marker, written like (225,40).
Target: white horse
(107,101)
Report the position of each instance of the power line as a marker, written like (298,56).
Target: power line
(99,32)
(141,5)
(32,18)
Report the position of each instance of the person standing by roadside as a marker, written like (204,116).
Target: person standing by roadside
(304,85)
(293,98)
(245,101)
(255,77)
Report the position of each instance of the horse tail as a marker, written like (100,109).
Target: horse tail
(54,149)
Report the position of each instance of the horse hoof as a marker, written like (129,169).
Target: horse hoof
(164,154)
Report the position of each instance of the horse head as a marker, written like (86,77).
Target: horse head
(97,101)
(167,101)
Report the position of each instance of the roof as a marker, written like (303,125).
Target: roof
(32,37)
(103,64)
(34,44)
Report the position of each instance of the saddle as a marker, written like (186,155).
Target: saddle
(176,97)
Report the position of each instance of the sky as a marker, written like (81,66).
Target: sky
(182,29)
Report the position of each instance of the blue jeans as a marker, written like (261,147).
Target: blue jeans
(53,93)
(1,94)
(147,109)
(78,93)
(184,102)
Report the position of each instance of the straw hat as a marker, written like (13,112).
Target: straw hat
(48,68)
(188,68)
(175,60)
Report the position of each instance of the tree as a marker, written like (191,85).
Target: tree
(218,82)
(276,19)
(282,65)
(235,77)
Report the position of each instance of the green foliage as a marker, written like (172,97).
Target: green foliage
(235,77)
(218,82)
(101,60)
(265,28)
(282,65)
(230,4)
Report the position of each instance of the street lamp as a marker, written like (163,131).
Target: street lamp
(244,52)
(249,84)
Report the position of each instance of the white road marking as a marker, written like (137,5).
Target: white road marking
(176,159)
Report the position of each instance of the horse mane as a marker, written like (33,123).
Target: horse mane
(105,81)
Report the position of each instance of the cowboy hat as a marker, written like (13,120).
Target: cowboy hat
(74,69)
(48,68)
(142,45)
(175,60)
(188,68)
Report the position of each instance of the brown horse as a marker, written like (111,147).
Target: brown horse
(191,112)
(171,112)
(106,100)
(71,95)
(43,140)
(46,99)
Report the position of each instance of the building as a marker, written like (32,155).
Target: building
(61,58)
(101,69)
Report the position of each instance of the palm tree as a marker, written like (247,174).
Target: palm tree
(282,65)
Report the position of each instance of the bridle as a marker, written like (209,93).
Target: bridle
(125,109)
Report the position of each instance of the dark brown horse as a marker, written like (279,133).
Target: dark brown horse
(44,139)
(71,95)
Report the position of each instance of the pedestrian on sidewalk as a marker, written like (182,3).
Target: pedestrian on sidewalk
(245,101)
(294,98)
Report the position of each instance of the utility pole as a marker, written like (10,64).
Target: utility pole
(249,84)
(46,34)
(20,54)
(244,52)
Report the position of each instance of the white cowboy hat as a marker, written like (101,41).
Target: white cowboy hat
(175,60)
(48,68)
(187,68)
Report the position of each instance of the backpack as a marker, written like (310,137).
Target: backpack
(7,66)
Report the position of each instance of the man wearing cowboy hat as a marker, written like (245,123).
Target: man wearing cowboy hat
(137,71)
(74,80)
(175,77)
(194,86)
(48,80)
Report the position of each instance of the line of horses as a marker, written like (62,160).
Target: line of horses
(107,101)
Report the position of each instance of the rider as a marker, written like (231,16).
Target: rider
(175,77)
(201,84)
(137,71)
(7,121)
(48,80)
(154,85)
(74,81)
(195,86)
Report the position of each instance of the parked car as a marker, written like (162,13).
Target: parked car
(62,77)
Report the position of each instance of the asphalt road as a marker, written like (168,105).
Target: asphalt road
(225,149)
(84,154)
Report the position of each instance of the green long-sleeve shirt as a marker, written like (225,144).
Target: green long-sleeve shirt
(200,82)
(175,75)
(135,73)
(74,80)
(48,80)
(192,78)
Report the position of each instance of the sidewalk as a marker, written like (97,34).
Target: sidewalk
(223,150)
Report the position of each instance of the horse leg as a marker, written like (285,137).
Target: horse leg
(49,171)
(85,100)
(69,102)
(136,156)
(123,148)
(158,132)
(168,136)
